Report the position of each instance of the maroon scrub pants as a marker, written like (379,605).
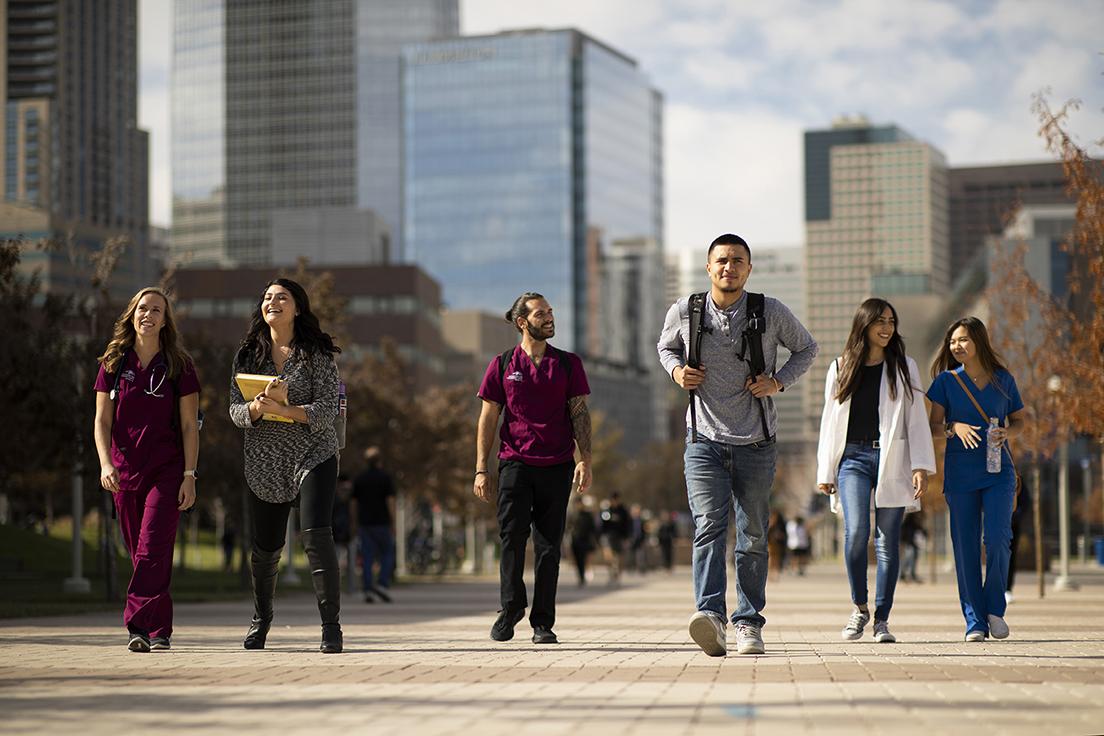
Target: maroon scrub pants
(148,519)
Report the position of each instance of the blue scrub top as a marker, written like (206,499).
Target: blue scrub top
(963,468)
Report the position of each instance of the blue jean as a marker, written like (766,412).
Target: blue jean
(377,543)
(855,481)
(974,513)
(719,476)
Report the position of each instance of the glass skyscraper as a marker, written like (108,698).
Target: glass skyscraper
(527,155)
(73,162)
(287,107)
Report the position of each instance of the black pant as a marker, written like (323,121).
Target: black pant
(316,501)
(531,496)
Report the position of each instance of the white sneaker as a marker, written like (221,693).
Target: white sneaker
(708,632)
(998,629)
(749,639)
(975,635)
(855,625)
(882,634)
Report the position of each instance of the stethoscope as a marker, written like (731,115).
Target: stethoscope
(152,390)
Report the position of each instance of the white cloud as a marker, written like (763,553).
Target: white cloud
(732,171)
(742,79)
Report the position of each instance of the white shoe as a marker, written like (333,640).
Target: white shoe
(708,632)
(855,625)
(998,629)
(1007,597)
(882,634)
(975,635)
(749,639)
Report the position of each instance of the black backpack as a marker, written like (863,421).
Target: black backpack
(751,348)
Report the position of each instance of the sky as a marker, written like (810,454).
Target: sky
(743,79)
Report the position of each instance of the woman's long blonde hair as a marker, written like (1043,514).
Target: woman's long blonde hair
(123,336)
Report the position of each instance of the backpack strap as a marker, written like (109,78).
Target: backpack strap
(696,307)
(751,346)
(503,361)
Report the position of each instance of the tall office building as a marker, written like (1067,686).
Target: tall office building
(289,107)
(74,163)
(876,225)
(528,156)
(983,198)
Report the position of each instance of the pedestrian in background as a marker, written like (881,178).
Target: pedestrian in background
(290,462)
(374,501)
(776,543)
(147,438)
(913,538)
(875,450)
(583,530)
(971,384)
(616,528)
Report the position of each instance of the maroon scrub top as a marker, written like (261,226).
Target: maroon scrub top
(144,439)
(537,428)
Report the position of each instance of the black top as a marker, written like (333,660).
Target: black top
(371,489)
(862,422)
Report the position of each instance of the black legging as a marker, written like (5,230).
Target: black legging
(316,502)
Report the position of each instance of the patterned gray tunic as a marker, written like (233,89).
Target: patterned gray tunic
(278,455)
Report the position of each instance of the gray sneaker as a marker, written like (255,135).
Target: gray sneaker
(998,629)
(749,639)
(855,625)
(882,634)
(708,632)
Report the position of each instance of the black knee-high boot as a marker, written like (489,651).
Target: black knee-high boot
(326,576)
(264,565)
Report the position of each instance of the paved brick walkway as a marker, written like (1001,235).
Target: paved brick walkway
(626,665)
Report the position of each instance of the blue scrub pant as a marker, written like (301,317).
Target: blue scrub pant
(977,515)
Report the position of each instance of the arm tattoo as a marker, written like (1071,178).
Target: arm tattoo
(580,423)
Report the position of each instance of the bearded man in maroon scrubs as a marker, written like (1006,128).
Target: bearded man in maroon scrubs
(543,390)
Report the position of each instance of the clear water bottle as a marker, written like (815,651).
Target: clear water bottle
(992,449)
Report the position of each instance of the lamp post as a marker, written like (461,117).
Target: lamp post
(1064,582)
(1086,491)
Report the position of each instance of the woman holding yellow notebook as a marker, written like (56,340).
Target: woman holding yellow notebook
(286,366)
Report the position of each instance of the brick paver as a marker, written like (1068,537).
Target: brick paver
(625,665)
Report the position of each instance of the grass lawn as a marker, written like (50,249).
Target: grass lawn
(34,566)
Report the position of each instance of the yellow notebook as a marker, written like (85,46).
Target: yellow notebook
(252,384)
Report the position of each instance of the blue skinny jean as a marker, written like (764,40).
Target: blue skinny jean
(855,481)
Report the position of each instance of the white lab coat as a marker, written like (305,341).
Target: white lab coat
(906,440)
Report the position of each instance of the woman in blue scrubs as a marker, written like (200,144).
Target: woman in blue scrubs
(980,502)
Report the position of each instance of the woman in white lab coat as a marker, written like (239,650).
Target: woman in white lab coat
(875,448)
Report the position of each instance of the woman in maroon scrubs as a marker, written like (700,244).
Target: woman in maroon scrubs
(147,437)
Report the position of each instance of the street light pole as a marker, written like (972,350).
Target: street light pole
(1086,491)
(1064,582)
(77,582)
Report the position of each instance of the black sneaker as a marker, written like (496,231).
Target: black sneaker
(503,629)
(159,643)
(544,635)
(138,642)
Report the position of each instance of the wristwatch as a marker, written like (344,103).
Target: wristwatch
(948,430)
(191,473)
